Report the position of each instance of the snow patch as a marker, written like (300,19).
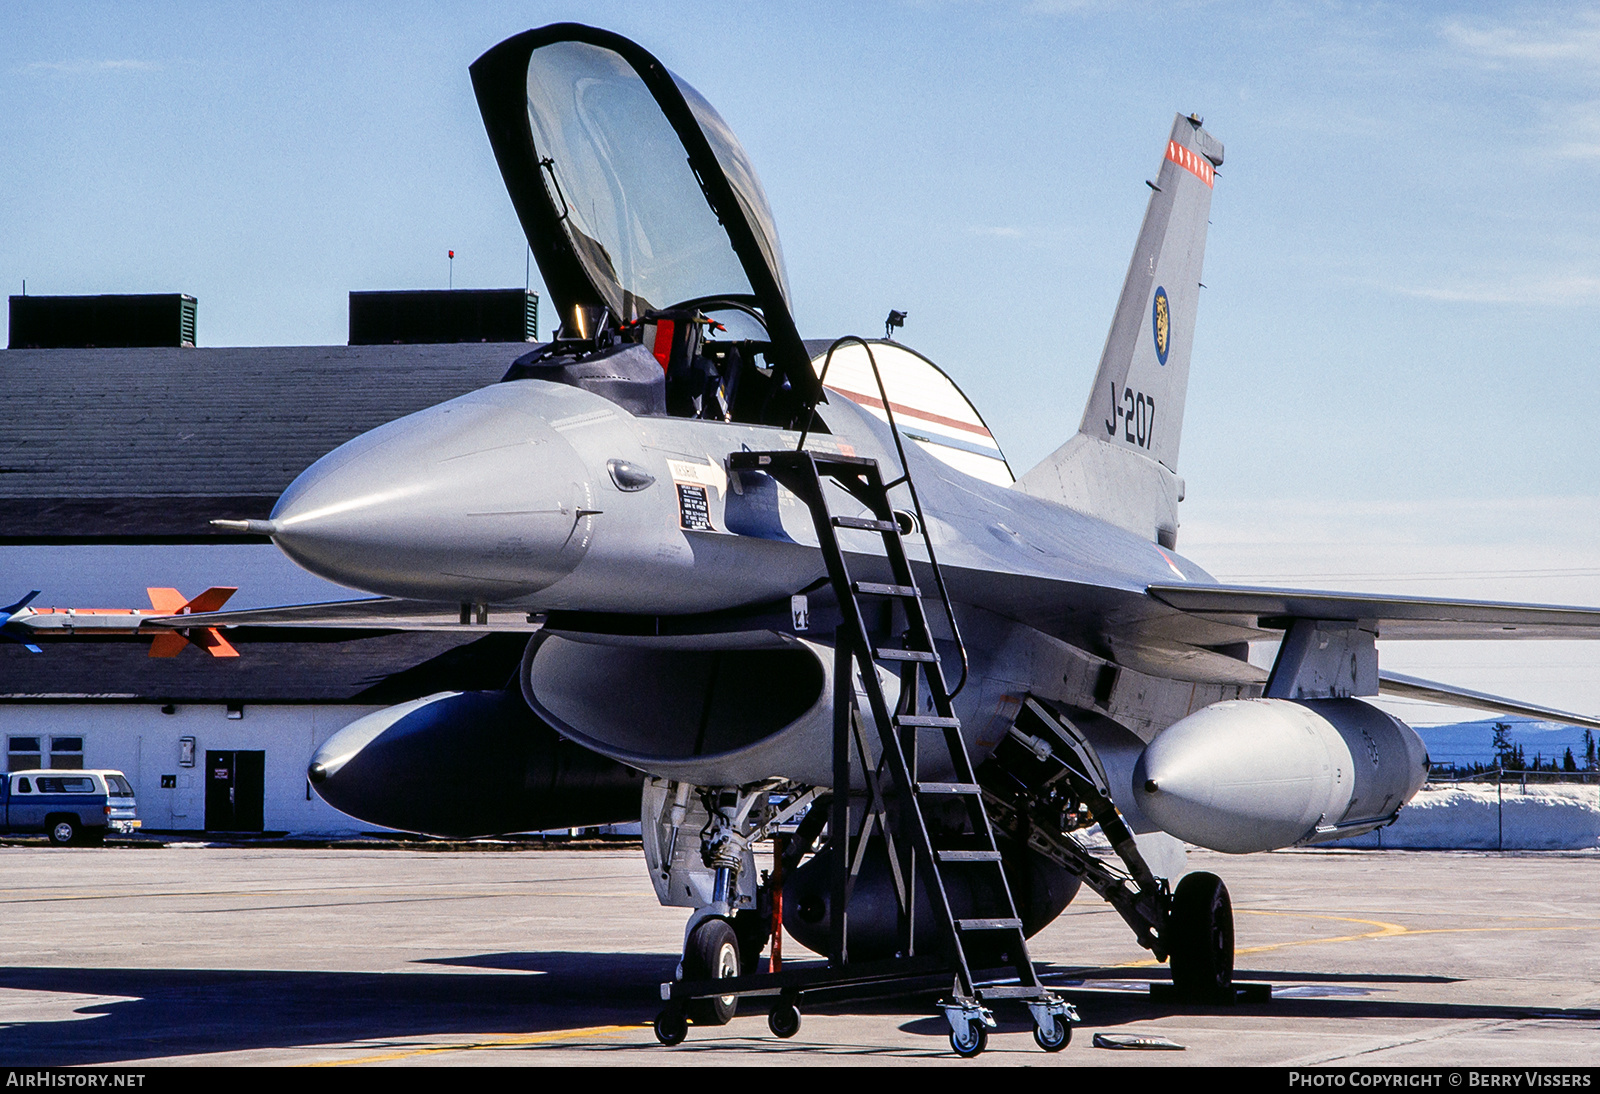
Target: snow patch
(1559,817)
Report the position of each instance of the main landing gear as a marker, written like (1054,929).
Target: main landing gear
(1199,937)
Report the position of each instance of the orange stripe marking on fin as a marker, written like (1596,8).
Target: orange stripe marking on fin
(212,599)
(168,644)
(212,642)
(167,601)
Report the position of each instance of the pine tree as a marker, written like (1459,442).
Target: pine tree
(1589,750)
(1503,748)
(1569,762)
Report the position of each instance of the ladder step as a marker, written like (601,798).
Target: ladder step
(989,924)
(930,721)
(865,524)
(873,588)
(949,788)
(969,856)
(883,654)
(1010,991)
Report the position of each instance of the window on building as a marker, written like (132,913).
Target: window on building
(22,753)
(66,753)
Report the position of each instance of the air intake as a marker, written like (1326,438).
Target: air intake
(83,322)
(439,315)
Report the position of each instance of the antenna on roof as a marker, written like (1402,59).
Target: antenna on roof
(452,269)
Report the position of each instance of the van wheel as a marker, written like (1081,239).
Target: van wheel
(64,831)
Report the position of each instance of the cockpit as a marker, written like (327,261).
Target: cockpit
(651,230)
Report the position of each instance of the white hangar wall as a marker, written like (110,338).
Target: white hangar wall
(141,741)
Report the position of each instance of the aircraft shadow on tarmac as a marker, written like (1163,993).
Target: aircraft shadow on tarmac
(173,1012)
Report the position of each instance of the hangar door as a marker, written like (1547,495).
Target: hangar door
(235,791)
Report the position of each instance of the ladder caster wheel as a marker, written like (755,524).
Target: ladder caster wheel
(1056,1038)
(976,1040)
(672,1026)
(784,1021)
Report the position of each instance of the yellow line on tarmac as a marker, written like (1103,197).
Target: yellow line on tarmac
(1391,930)
(1384,930)
(510,1040)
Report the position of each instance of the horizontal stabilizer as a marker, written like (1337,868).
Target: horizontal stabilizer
(1396,686)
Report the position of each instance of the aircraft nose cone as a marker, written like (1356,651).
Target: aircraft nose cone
(477,499)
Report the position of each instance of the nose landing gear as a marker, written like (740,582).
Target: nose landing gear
(712,954)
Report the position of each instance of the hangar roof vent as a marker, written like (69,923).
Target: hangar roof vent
(443,315)
(116,321)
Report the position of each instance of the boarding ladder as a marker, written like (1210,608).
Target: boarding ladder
(885,624)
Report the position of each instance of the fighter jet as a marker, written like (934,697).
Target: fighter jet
(787,587)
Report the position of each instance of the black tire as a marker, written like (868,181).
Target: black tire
(64,831)
(784,1020)
(1057,1038)
(976,1040)
(712,954)
(1201,930)
(671,1027)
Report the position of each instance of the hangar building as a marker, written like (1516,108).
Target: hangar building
(112,463)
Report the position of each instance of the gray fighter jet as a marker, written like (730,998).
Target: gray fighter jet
(790,588)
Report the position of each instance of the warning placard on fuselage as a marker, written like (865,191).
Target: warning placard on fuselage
(694,507)
(695,482)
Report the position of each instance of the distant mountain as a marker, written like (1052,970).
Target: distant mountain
(1464,743)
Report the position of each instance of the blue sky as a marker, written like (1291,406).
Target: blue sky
(1394,377)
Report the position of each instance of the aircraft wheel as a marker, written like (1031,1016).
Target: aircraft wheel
(1057,1037)
(1201,926)
(64,831)
(976,1040)
(712,954)
(784,1021)
(671,1027)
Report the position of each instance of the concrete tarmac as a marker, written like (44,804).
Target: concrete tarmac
(194,954)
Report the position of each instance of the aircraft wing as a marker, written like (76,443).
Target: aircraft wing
(375,613)
(1394,617)
(1396,686)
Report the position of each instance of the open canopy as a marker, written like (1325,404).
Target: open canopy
(634,193)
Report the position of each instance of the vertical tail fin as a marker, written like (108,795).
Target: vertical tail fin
(1122,464)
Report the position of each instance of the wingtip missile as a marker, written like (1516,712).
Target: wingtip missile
(19,622)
